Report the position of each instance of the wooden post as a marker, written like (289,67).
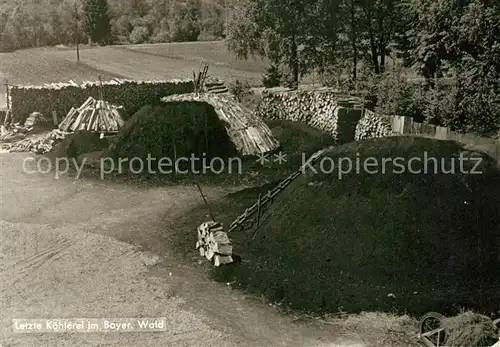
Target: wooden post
(77,34)
(7,94)
(54,117)
(101,94)
(205,200)
(175,156)
(258,209)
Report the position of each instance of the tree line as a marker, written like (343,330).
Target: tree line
(36,23)
(378,46)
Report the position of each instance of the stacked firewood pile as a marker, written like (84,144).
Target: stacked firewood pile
(214,244)
(35,118)
(60,97)
(93,115)
(39,145)
(373,126)
(326,110)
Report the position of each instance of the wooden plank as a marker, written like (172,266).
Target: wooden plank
(432,332)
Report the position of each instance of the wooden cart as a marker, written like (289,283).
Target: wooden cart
(431,334)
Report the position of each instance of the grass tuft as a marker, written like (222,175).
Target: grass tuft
(470,329)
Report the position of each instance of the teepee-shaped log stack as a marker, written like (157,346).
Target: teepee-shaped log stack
(213,243)
(93,115)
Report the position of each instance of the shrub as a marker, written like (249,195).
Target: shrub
(273,77)
(240,90)
(140,34)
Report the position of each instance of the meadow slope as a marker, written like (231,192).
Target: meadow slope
(141,62)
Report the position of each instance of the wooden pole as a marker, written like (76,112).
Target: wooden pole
(258,209)
(205,200)
(77,34)
(175,156)
(101,94)
(7,93)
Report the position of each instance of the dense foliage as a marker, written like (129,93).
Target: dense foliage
(96,21)
(452,48)
(32,23)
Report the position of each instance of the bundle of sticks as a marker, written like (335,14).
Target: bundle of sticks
(199,79)
(214,244)
(93,115)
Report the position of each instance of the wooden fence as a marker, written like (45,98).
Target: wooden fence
(406,126)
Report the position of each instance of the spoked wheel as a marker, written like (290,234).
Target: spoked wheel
(429,323)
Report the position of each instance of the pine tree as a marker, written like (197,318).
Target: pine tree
(96,21)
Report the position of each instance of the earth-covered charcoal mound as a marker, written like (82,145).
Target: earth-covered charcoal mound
(379,241)
(173,130)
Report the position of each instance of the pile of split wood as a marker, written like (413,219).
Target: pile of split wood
(324,109)
(39,144)
(373,126)
(93,115)
(214,244)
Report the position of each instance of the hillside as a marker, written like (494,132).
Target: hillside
(34,23)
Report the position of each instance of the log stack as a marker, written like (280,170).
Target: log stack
(39,144)
(214,244)
(373,126)
(35,118)
(93,115)
(327,110)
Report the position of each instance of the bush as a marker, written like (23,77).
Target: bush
(478,104)
(466,103)
(396,96)
(240,90)
(273,77)
(139,34)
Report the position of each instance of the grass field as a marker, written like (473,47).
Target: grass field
(142,62)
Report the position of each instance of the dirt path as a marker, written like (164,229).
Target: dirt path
(98,250)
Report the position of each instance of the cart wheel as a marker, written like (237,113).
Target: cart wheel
(429,322)
(496,323)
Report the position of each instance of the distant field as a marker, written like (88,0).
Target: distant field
(215,53)
(33,67)
(155,61)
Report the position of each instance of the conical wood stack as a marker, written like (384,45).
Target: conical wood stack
(93,115)
(214,244)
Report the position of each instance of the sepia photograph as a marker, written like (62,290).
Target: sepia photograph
(249,173)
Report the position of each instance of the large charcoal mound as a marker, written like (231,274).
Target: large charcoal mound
(414,242)
(173,130)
